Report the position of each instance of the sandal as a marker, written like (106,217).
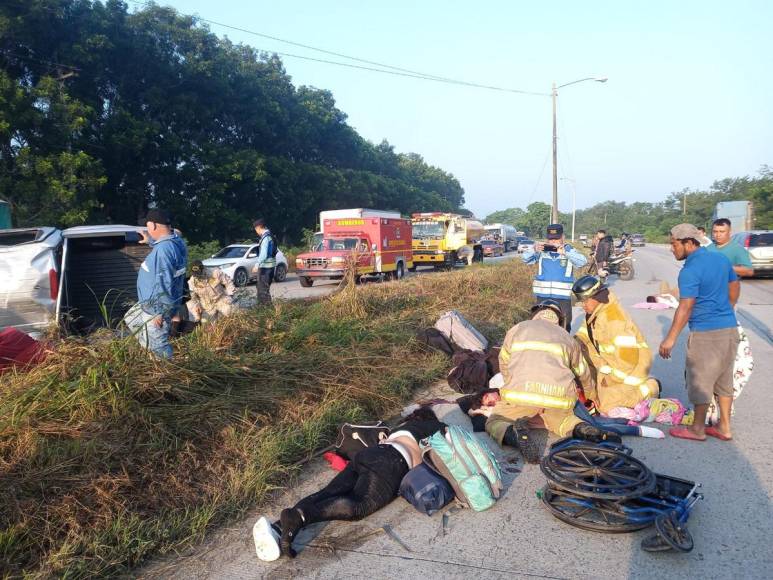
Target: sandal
(684,433)
(714,432)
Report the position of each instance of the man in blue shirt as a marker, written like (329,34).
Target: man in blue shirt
(708,291)
(555,261)
(160,283)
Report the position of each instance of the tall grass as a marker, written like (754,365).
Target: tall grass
(108,457)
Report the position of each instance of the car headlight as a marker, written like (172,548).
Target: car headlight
(438,251)
(299,261)
(337,260)
(225,266)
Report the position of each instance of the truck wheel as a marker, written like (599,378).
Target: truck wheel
(306,281)
(240,277)
(280,273)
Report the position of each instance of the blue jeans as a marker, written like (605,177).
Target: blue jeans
(616,425)
(150,336)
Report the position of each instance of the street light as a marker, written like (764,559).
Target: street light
(574,201)
(554,214)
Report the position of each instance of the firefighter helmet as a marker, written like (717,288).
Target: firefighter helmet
(548,304)
(587,287)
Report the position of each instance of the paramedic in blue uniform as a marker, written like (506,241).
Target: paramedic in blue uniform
(556,261)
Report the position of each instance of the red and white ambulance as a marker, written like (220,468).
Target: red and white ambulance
(374,242)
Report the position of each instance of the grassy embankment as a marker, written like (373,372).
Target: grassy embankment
(108,457)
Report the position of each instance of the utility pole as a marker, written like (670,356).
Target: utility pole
(554,213)
(684,204)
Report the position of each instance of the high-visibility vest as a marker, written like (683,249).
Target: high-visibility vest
(553,279)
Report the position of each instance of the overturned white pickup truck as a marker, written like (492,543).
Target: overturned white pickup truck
(81,278)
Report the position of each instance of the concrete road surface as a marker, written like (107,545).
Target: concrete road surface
(518,538)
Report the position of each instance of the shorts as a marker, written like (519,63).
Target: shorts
(710,362)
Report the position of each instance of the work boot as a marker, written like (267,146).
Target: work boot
(530,443)
(588,432)
(290,521)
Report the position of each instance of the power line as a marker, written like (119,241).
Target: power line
(394,70)
(38,60)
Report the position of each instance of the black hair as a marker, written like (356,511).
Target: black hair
(693,240)
(259,223)
(722,222)
(474,401)
(423,413)
(602,232)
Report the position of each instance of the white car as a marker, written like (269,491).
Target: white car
(237,261)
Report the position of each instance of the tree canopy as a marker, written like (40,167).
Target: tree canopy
(654,220)
(104,113)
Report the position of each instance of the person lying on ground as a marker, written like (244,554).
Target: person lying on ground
(614,349)
(370,481)
(541,363)
(211,293)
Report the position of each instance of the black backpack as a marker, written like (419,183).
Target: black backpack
(354,438)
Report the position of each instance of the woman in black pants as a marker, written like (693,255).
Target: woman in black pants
(369,482)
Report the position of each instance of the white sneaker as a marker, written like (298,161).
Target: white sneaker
(266,540)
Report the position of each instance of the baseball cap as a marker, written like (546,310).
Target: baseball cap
(555,231)
(685,231)
(157,216)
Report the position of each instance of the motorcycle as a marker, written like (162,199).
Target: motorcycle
(620,264)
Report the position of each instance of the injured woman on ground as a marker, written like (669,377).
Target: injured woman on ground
(370,481)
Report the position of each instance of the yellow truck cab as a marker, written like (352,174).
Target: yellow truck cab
(445,239)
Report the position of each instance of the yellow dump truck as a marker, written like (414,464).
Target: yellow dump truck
(445,239)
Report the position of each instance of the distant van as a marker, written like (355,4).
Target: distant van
(81,278)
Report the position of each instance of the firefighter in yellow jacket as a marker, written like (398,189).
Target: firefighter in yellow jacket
(540,363)
(615,349)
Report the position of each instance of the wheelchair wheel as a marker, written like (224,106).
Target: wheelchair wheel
(590,514)
(598,472)
(674,532)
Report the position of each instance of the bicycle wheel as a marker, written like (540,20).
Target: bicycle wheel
(598,472)
(590,514)
(674,532)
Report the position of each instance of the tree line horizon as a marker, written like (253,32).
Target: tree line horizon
(105,113)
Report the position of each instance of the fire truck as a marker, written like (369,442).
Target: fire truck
(374,242)
(445,239)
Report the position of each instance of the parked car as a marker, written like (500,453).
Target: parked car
(759,243)
(584,240)
(492,248)
(638,240)
(237,261)
(525,245)
(83,277)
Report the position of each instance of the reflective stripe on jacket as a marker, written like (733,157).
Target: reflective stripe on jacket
(539,362)
(555,273)
(618,350)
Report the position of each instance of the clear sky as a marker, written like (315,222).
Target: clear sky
(689,98)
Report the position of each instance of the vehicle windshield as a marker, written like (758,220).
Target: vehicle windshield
(526,241)
(231,252)
(429,230)
(488,242)
(338,244)
(761,240)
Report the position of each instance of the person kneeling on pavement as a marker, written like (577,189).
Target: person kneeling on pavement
(211,293)
(541,363)
(615,349)
(370,481)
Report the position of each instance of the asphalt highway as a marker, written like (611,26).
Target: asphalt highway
(518,538)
